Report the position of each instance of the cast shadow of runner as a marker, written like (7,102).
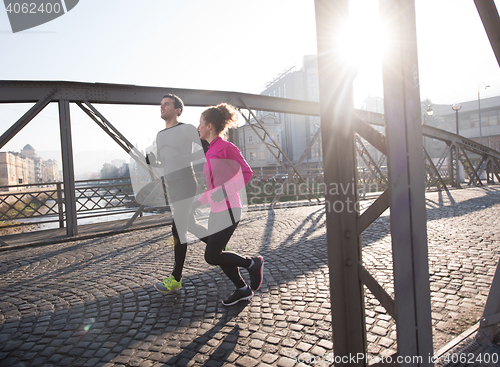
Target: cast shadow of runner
(87,324)
(91,265)
(220,355)
(89,306)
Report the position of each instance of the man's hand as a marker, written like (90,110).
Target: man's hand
(151,159)
(219,195)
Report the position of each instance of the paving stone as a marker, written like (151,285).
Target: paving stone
(257,344)
(98,305)
(285,362)
(269,358)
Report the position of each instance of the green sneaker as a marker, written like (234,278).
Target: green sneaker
(168,285)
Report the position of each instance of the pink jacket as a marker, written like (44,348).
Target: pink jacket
(225,168)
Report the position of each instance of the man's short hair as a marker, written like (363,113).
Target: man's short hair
(177,102)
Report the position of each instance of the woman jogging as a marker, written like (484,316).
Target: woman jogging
(226,173)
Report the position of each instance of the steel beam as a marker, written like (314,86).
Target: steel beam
(95,93)
(491,22)
(496,168)
(280,157)
(370,163)
(489,172)
(374,211)
(469,168)
(406,182)
(339,162)
(68,170)
(31,91)
(115,134)
(128,147)
(385,299)
(26,118)
(489,320)
(296,167)
(433,172)
(370,134)
(454,166)
(454,139)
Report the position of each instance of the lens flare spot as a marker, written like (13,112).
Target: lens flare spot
(89,324)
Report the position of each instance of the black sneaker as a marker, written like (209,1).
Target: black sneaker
(256,272)
(237,296)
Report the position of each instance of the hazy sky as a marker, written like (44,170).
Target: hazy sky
(231,45)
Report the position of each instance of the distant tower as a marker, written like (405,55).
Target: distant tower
(29,151)
(35,163)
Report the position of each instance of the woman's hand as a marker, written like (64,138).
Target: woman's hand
(219,195)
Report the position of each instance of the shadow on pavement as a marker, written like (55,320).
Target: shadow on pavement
(94,306)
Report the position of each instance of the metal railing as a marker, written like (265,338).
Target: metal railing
(96,197)
(28,204)
(44,203)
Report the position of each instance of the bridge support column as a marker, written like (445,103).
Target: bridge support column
(411,307)
(406,183)
(339,161)
(68,170)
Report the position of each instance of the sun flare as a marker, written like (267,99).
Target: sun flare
(363,40)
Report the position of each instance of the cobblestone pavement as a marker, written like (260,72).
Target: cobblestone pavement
(92,302)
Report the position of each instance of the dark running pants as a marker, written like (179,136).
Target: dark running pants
(215,253)
(182,194)
(180,251)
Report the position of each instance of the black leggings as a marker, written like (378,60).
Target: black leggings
(182,195)
(180,251)
(215,253)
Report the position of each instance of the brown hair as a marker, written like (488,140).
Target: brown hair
(222,117)
(177,102)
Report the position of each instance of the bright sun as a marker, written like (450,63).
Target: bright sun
(363,42)
(364,37)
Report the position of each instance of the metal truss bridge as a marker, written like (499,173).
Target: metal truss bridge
(348,137)
(476,159)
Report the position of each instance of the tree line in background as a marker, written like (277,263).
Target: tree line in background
(109,170)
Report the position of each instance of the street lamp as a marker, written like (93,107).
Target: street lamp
(456,107)
(430,112)
(479,104)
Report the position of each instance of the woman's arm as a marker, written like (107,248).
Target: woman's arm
(240,174)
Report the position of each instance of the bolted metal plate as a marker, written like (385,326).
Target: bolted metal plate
(471,353)
(96,95)
(70,94)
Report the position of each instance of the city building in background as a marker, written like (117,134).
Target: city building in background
(445,117)
(15,170)
(26,167)
(292,133)
(52,171)
(254,150)
(478,120)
